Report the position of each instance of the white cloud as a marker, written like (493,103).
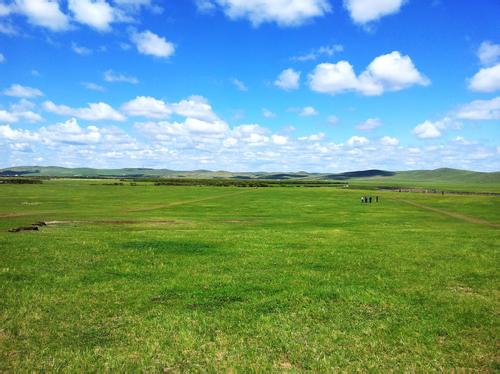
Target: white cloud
(81,50)
(480,110)
(390,72)
(252,134)
(18,90)
(18,135)
(94,111)
(20,111)
(151,44)
(97,14)
(333,78)
(2,58)
(111,76)
(282,12)
(239,85)
(267,113)
(45,13)
(288,80)
(365,11)
(7,117)
(169,131)
(486,80)
(93,86)
(313,137)
(308,111)
(149,107)
(71,132)
(428,130)
(489,53)
(196,107)
(356,141)
(369,124)
(328,50)
(389,141)
(279,139)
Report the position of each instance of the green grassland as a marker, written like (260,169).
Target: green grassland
(441,179)
(185,279)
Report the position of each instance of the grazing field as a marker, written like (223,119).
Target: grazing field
(161,278)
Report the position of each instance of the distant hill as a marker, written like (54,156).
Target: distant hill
(444,175)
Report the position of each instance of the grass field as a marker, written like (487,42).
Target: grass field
(156,278)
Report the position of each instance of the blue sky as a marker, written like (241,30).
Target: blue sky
(316,85)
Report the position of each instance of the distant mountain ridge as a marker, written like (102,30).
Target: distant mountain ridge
(443,174)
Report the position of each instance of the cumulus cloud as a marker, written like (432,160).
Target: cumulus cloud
(480,110)
(489,53)
(9,133)
(17,90)
(369,124)
(356,141)
(429,129)
(196,107)
(282,12)
(486,80)
(21,110)
(365,11)
(390,72)
(94,112)
(190,143)
(389,141)
(308,111)
(182,131)
(149,107)
(112,77)
(45,13)
(7,117)
(97,14)
(279,139)
(288,80)
(148,43)
(313,137)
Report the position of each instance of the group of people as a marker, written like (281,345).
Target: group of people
(368,199)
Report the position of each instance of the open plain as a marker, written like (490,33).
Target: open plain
(165,278)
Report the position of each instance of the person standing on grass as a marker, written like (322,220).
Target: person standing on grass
(362,199)
(370,199)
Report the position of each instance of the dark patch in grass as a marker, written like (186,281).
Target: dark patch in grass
(271,307)
(189,248)
(10,277)
(91,337)
(216,302)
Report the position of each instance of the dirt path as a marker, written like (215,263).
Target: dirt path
(183,202)
(460,216)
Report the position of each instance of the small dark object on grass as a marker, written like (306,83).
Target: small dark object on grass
(39,223)
(24,228)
